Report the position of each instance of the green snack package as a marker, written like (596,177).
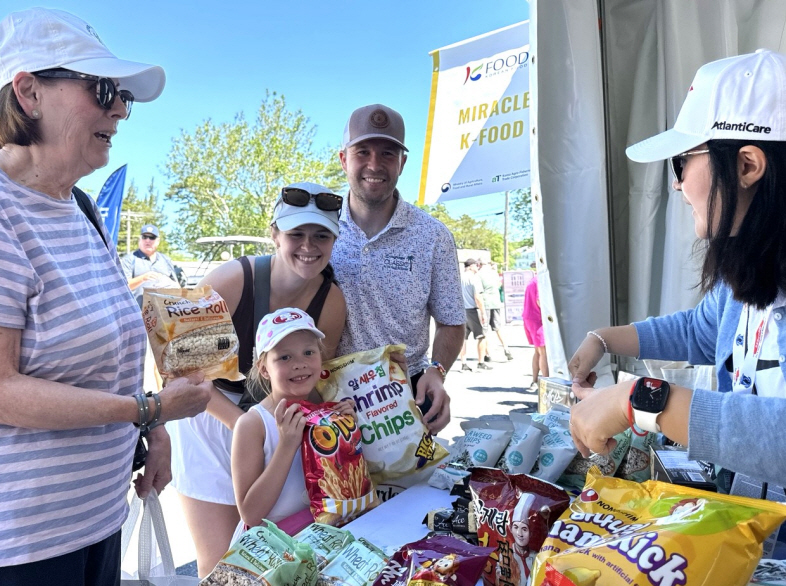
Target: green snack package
(358,564)
(575,474)
(265,555)
(325,540)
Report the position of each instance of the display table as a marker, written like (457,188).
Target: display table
(400,520)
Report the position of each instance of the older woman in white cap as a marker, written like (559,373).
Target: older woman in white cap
(72,338)
(727,153)
(304,228)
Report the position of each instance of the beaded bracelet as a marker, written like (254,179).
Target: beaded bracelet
(599,337)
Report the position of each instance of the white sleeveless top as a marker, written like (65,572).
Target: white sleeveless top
(293,496)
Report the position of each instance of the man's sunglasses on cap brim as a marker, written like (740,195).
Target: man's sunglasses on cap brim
(300,198)
(677,163)
(106,90)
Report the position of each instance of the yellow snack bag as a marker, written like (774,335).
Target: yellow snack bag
(619,532)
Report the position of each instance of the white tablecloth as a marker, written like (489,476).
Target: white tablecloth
(400,520)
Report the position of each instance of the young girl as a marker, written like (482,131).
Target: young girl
(267,472)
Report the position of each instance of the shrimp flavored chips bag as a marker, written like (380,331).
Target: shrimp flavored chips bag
(396,443)
(619,532)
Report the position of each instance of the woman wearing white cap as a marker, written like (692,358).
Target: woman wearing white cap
(304,228)
(72,339)
(727,153)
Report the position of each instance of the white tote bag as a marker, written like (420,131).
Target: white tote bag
(155,564)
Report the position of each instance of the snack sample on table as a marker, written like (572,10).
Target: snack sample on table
(396,443)
(337,479)
(358,564)
(265,555)
(619,532)
(522,451)
(558,449)
(191,330)
(325,540)
(459,521)
(514,513)
(436,560)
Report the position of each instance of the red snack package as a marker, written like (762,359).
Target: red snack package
(337,479)
(436,560)
(514,513)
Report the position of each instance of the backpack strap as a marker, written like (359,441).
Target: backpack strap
(83,201)
(261,289)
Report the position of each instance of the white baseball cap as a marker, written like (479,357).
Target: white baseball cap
(43,38)
(737,98)
(289,217)
(276,326)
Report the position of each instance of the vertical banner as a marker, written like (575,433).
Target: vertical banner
(477,138)
(110,200)
(514,284)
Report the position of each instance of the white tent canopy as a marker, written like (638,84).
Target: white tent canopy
(614,242)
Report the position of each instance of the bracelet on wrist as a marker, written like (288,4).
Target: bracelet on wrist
(599,337)
(441,369)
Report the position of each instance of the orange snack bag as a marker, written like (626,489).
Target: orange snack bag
(619,532)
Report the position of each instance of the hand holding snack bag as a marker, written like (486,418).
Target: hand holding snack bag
(619,532)
(396,443)
(335,470)
(191,330)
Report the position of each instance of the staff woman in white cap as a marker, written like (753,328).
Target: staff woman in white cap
(72,338)
(727,153)
(304,228)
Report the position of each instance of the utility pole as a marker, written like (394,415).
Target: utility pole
(130,216)
(505,234)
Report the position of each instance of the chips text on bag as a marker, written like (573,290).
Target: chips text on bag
(337,478)
(620,532)
(191,330)
(514,513)
(325,540)
(396,443)
(265,555)
(433,561)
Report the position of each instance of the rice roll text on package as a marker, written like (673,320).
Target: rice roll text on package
(619,532)
(396,443)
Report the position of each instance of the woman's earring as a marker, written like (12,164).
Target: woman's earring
(35,114)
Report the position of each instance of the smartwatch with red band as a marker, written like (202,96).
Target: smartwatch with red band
(648,399)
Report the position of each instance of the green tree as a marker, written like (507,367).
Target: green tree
(225,177)
(469,232)
(521,214)
(144,209)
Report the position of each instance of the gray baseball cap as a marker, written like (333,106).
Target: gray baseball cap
(374,121)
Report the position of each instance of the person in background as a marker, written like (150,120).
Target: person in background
(533,328)
(733,175)
(489,279)
(476,325)
(267,470)
(72,338)
(396,264)
(146,267)
(304,227)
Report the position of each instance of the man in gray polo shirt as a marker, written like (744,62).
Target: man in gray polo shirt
(396,264)
(145,267)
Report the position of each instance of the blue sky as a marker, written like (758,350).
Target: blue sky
(326,58)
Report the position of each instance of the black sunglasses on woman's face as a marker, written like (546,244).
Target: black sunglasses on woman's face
(106,90)
(677,163)
(327,202)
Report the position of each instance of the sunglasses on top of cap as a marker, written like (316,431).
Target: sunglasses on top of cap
(677,162)
(106,90)
(327,202)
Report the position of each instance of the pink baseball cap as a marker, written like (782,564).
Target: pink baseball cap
(276,326)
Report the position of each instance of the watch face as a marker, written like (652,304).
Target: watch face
(650,395)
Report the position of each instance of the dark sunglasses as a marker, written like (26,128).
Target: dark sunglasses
(148,237)
(327,202)
(106,90)
(677,163)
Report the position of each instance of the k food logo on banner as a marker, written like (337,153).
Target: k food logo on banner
(477,139)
